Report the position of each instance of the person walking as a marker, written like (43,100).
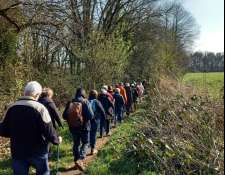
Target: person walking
(129,93)
(135,97)
(123,92)
(81,129)
(110,90)
(109,108)
(46,100)
(142,91)
(99,114)
(26,122)
(144,83)
(139,92)
(107,93)
(119,106)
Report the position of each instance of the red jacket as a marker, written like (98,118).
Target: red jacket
(139,89)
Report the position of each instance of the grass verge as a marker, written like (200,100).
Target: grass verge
(114,158)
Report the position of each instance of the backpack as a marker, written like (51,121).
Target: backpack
(93,107)
(74,113)
(144,83)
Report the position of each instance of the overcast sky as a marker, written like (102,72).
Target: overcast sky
(209,14)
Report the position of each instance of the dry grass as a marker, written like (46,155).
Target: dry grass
(184,131)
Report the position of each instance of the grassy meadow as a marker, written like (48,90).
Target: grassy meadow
(211,83)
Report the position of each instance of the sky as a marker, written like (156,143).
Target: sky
(209,14)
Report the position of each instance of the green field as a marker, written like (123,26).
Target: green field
(211,83)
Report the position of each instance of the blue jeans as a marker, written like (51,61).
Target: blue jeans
(118,116)
(94,131)
(22,166)
(104,124)
(84,137)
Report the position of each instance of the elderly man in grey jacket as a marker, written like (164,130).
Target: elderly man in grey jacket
(25,123)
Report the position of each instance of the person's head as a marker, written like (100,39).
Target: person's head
(103,91)
(117,86)
(117,90)
(80,91)
(105,87)
(127,84)
(47,92)
(94,94)
(33,89)
(140,84)
(132,85)
(109,88)
(121,84)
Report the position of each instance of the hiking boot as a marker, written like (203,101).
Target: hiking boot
(76,167)
(93,152)
(109,134)
(80,165)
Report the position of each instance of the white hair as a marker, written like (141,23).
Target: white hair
(103,91)
(117,90)
(105,87)
(32,89)
(127,84)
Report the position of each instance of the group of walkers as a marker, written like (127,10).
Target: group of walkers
(30,122)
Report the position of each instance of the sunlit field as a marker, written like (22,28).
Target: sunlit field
(212,83)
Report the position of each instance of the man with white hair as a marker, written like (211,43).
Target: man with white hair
(107,93)
(119,106)
(25,123)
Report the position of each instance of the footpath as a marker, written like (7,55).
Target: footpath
(101,142)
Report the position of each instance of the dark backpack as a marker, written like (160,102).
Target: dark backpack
(74,113)
(144,83)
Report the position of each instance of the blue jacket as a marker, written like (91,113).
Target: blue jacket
(87,114)
(99,112)
(119,102)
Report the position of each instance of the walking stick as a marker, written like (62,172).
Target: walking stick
(57,163)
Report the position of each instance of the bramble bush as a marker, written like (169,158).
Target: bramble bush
(178,134)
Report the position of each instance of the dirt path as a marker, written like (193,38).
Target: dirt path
(90,158)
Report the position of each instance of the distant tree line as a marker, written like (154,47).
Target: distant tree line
(207,62)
